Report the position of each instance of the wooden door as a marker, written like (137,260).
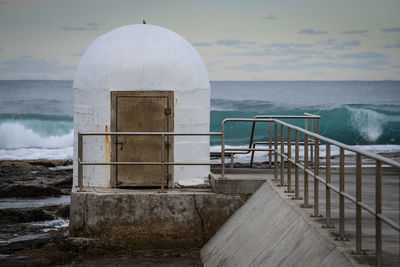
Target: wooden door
(141,111)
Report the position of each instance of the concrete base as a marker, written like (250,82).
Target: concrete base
(237,181)
(147,219)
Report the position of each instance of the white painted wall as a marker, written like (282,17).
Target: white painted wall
(142,57)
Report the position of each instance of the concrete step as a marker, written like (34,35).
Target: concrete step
(238,181)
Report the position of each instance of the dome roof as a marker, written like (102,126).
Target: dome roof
(141,57)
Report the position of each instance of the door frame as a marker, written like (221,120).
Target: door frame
(169,94)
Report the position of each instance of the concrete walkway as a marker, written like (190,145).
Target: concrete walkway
(272,229)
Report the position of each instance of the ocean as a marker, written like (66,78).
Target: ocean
(36,119)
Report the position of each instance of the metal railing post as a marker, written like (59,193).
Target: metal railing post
(289,163)
(341,197)
(296,170)
(358,207)
(275,152)
(305,173)
(80,159)
(282,158)
(223,151)
(328,223)
(312,146)
(378,210)
(270,144)
(162,163)
(316,182)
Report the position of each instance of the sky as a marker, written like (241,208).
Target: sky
(238,40)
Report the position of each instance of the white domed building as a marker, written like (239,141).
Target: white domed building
(141,78)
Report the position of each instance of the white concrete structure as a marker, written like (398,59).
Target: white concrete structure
(142,57)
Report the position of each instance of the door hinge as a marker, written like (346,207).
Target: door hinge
(167,111)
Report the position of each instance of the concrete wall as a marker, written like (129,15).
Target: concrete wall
(269,231)
(132,219)
(142,57)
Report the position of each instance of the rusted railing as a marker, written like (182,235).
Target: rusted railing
(163,161)
(314,173)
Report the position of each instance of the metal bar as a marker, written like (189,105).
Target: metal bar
(149,163)
(245,149)
(269,143)
(80,159)
(378,210)
(358,208)
(311,142)
(154,133)
(341,145)
(276,150)
(251,143)
(341,198)
(296,170)
(162,163)
(232,158)
(305,173)
(287,116)
(266,143)
(316,182)
(328,223)
(223,151)
(282,159)
(289,164)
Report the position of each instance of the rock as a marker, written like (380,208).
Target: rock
(26,190)
(9,216)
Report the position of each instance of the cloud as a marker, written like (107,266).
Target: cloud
(231,42)
(275,52)
(288,45)
(1,49)
(396,45)
(291,60)
(355,32)
(202,44)
(387,30)
(32,67)
(249,67)
(363,55)
(332,43)
(312,32)
(270,17)
(90,26)
(296,64)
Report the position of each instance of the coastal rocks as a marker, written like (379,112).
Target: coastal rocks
(35,178)
(34,209)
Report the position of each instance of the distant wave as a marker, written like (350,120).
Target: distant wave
(15,135)
(355,124)
(370,123)
(34,129)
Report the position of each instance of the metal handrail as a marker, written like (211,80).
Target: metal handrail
(377,212)
(306,116)
(81,163)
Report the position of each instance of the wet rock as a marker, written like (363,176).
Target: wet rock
(34,178)
(18,190)
(8,216)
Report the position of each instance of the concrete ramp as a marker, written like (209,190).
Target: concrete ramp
(270,231)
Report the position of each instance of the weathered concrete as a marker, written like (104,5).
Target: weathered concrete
(269,230)
(244,183)
(146,219)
